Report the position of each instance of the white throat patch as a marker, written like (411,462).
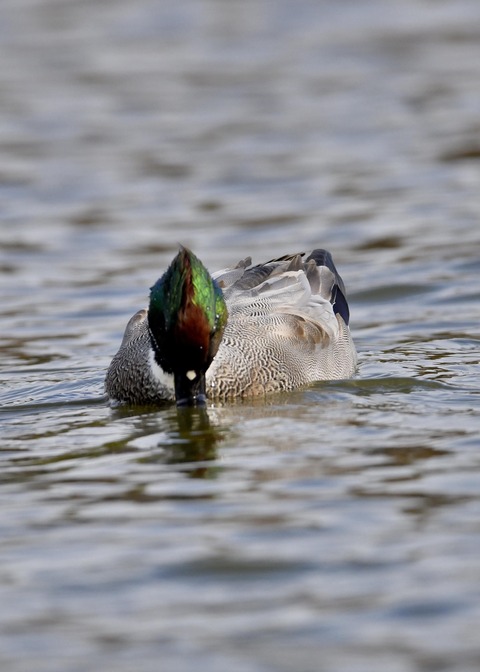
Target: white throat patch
(165,379)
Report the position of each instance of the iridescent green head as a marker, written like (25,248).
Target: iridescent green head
(187,315)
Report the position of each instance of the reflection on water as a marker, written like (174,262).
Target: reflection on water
(335,527)
(192,442)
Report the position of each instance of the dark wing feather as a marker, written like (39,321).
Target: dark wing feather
(338,299)
(244,277)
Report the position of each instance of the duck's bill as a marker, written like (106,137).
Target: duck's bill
(190,389)
(199,400)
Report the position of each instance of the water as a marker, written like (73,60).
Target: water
(332,529)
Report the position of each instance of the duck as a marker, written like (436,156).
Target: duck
(242,332)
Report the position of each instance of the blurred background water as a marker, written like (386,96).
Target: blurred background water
(336,528)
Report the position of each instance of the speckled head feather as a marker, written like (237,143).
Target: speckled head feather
(186,316)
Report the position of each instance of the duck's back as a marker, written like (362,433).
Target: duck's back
(287,326)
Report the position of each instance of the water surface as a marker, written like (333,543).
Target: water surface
(335,528)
